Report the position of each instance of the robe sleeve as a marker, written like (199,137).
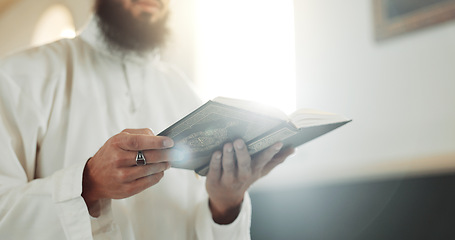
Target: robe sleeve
(49,207)
(207,229)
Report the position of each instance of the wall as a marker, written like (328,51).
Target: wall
(25,14)
(180,49)
(380,176)
(17,22)
(399,93)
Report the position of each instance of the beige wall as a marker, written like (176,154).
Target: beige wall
(18,21)
(400,94)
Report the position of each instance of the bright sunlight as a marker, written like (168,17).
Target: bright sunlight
(246,50)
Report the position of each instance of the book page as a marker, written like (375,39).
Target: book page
(311,117)
(253,107)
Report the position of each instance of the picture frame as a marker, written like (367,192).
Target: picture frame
(397,17)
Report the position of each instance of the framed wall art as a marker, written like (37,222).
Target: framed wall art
(396,17)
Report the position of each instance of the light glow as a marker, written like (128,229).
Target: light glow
(55,23)
(247,50)
(68,33)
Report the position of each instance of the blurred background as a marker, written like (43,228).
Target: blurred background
(388,65)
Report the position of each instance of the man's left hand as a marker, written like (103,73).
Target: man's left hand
(233,171)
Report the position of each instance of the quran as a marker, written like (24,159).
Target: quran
(221,120)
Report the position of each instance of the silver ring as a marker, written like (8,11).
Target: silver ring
(140,159)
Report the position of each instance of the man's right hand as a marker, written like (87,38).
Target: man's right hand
(113,174)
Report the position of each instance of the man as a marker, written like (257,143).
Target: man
(74,118)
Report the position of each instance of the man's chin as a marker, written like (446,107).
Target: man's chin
(147,17)
(127,31)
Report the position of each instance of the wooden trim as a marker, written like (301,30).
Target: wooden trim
(397,168)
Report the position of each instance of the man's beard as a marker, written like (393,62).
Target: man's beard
(127,33)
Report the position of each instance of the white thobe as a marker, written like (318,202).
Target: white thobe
(59,104)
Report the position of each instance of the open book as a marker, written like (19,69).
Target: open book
(222,120)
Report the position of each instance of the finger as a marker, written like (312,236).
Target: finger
(133,173)
(145,131)
(228,163)
(278,159)
(151,156)
(165,155)
(215,167)
(243,159)
(265,156)
(136,142)
(141,184)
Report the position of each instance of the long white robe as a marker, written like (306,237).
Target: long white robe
(59,104)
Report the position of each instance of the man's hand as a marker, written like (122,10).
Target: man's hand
(233,171)
(112,173)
